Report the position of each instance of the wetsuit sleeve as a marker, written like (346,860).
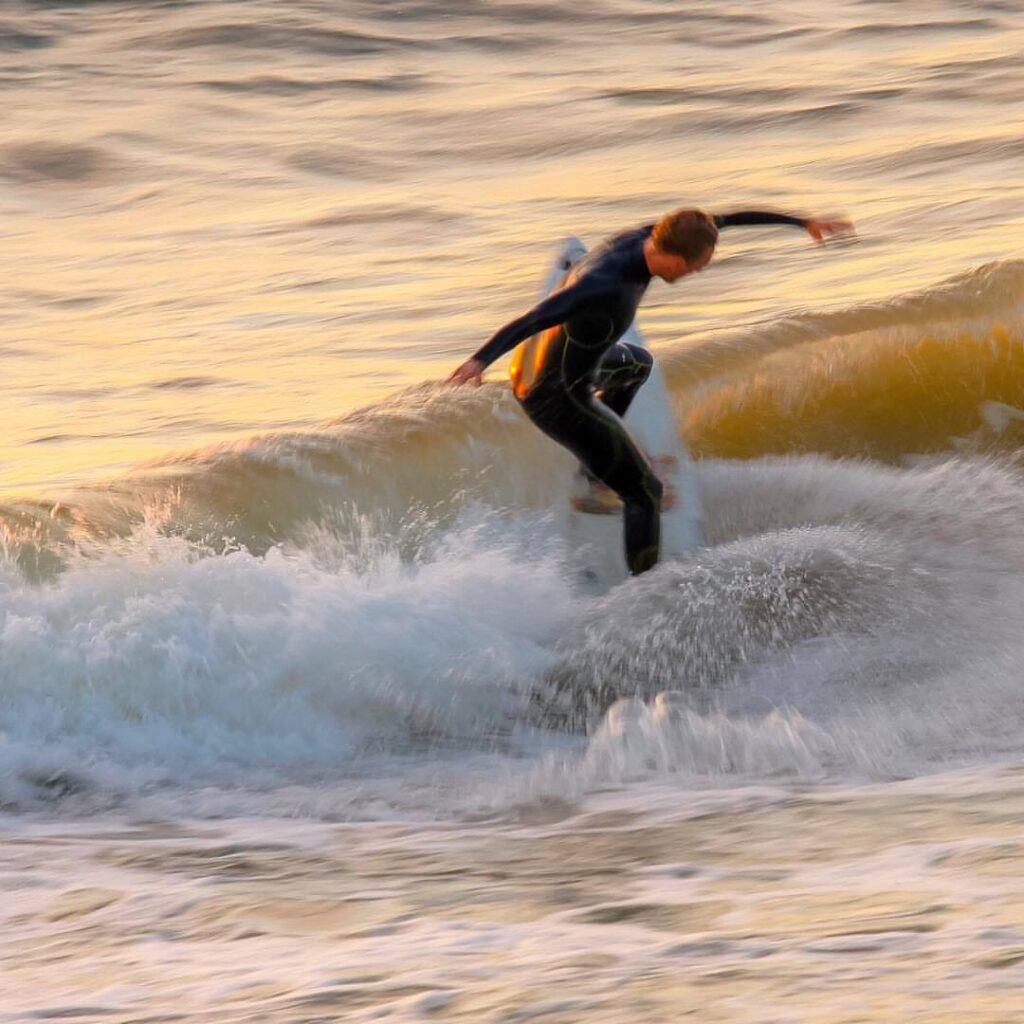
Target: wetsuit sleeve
(555,309)
(746,218)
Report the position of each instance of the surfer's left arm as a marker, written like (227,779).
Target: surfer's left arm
(818,229)
(555,309)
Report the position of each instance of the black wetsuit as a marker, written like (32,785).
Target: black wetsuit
(584,358)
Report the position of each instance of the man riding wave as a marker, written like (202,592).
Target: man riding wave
(580,379)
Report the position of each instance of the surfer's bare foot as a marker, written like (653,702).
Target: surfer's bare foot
(601,500)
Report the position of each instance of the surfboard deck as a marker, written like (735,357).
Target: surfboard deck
(595,527)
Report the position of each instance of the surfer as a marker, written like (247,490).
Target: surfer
(582,378)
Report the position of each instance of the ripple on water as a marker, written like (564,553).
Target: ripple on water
(59,163)
(271,38)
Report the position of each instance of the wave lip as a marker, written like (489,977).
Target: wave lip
(878,396)
(885,380)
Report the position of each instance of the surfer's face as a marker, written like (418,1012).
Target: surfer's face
(672,267)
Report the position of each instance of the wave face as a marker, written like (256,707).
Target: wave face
(932,372)
(299,612)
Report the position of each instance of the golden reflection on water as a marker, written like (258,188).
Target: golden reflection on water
(306,236)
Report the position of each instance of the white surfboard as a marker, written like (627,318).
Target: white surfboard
(597,539)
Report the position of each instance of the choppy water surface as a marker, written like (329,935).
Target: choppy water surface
(301,717)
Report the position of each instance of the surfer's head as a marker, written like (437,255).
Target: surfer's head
(682,243)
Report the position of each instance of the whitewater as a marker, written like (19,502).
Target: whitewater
(303,715)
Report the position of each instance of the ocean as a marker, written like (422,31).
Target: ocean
(303,716)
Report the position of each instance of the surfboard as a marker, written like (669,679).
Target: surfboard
(595,529)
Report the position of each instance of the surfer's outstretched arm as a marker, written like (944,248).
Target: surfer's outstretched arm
(555,309)
(819,230)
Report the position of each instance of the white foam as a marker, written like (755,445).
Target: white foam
(850,620)
(154,663)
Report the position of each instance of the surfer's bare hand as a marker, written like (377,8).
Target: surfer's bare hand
(470,372)
(819,230)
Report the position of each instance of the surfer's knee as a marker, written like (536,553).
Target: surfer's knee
(642,358)
(635,363)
